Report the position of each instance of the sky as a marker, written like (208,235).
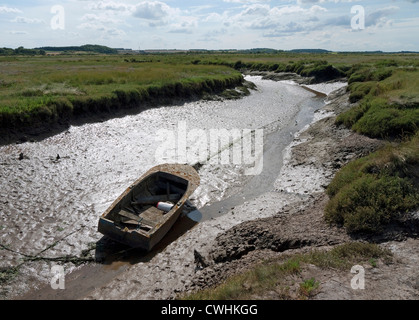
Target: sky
(336,25)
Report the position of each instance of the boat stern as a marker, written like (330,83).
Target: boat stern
(128,237)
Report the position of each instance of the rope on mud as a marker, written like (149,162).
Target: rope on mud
(7,274)
(58,241)
(73,259)
(4,247)
(77,260)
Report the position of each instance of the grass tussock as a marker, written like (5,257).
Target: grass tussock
(373,191)
(308,287)
(387,97)
(279,276)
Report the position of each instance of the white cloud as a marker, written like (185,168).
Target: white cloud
(185,26)
(110,5)
(324,1)
(247,1)
(152,10)
(18,32)
(265,17)
(256,9)
(4,9)
(91,17)
(99,27)
(379,16)
(26,20)
(226,23)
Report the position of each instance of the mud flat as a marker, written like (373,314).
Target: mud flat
(231,224)
(54,190)
(212,250)
(287,219)
(298,226)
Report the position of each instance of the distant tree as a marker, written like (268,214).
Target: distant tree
(84,48)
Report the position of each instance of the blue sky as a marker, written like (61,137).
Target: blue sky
(390,25)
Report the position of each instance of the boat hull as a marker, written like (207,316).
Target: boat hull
(183,175)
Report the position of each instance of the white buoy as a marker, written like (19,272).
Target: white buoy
(165,206)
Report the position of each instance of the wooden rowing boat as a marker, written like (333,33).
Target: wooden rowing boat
(135,220)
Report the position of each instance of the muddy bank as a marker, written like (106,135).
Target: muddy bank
(310,163)
(213,249)
(301,80)
(53,194)
(91,111)
(284,217)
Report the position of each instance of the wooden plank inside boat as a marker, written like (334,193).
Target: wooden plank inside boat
(153,214)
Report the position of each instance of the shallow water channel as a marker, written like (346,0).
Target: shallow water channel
(56,193)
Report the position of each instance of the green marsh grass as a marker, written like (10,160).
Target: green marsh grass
(308,287)
(371,192)
(388,100)
(47,89)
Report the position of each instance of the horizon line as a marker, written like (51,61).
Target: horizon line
(231,49)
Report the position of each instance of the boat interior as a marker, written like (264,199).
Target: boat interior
(138,209)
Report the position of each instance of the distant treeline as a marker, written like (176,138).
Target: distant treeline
(21,51)
(43,50)
(90,48)
(273,51)
(261,50)
(85,48)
